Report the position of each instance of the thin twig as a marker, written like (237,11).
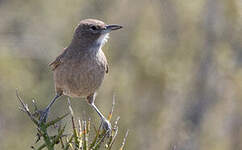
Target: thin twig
(25,108)
(100,141)
(124,140)
(111,112)
(115,128)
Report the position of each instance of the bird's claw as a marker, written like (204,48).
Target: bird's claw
(43,116)
(107,126)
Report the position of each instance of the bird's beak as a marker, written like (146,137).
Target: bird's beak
(113,27)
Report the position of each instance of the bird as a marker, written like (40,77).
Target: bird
(80,68)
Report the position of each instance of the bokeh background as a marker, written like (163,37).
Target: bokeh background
(175,68)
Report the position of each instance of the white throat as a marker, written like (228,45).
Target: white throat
(102,39)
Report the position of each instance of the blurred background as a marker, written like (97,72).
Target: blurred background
(175,68)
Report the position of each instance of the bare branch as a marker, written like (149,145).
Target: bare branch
(26,109)
(124,140)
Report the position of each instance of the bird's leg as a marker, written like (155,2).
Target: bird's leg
(105,123)
(44,113)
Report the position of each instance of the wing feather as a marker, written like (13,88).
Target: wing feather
(57,61)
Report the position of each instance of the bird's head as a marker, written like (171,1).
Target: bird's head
(92,32)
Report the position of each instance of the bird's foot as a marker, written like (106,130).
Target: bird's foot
(43,116)
(107,126)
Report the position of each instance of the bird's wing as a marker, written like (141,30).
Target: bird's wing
(57,61)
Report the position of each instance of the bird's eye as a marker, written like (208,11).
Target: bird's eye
(93,27)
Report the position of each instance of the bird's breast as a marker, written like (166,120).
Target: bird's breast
(81,77)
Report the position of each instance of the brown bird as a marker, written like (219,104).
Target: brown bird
(80,69)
